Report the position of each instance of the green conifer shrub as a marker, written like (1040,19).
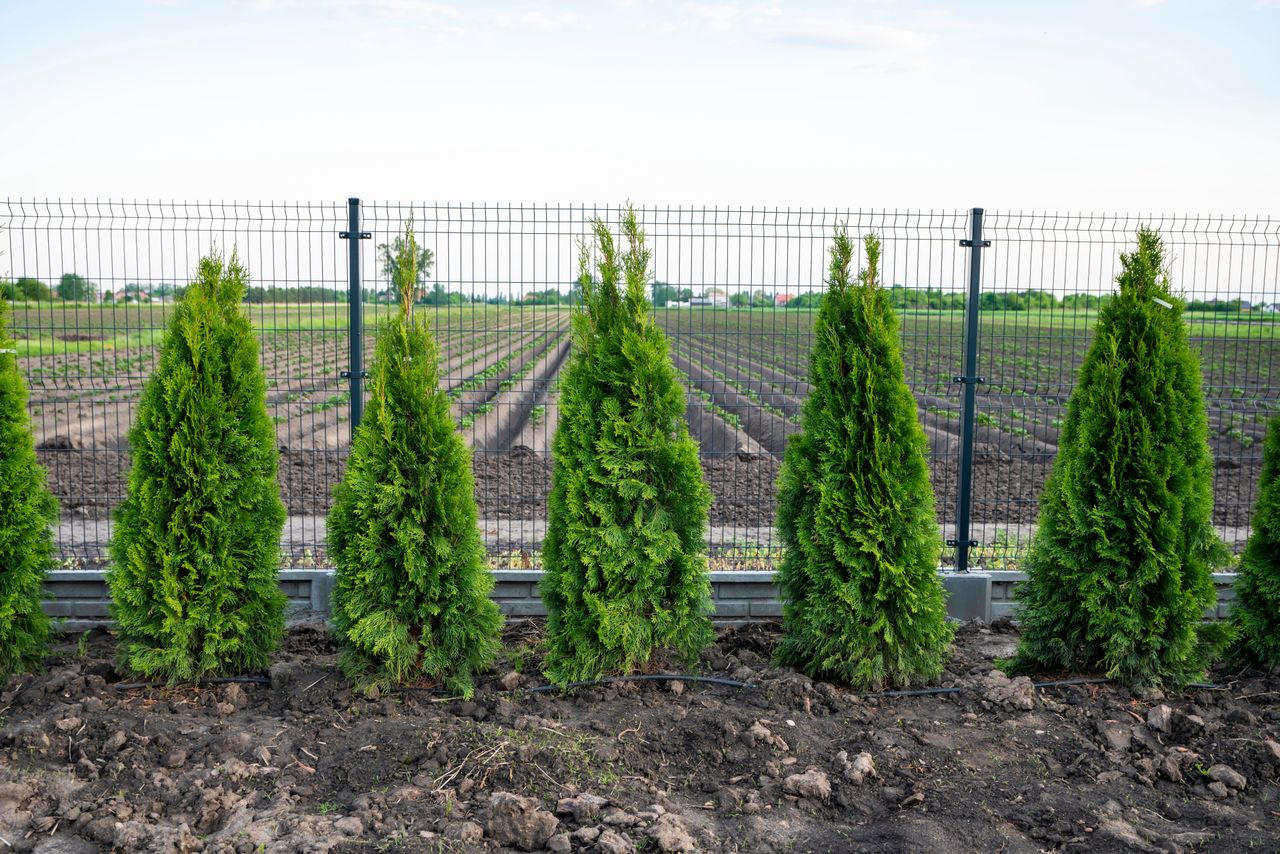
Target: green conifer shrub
(197,540)
(411,600)
(1119,569)
(626,571)
(1256,616)
(27,508)
(862,602)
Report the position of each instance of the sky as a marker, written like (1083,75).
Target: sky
(1098,105)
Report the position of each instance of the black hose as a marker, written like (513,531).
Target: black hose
(643,677)
(214,680)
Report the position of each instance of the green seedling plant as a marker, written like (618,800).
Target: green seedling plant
(862,602)
(197,539)
(626,568)
(1119,571)
(1256,615)
(411,597)
(27,509)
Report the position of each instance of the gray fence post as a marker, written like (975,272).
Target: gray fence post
(355,302)
(970,379)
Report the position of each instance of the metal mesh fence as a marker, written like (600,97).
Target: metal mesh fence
(735,290)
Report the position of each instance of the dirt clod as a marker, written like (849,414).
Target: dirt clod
(669,834)
(612,842)
(583,807)
(1227,776)
(519,821)
(813,783)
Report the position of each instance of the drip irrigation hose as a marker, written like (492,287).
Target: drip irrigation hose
(643,677)
(651,677)
(215,680)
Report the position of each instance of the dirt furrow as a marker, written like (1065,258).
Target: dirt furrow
(509,410)
(765,428)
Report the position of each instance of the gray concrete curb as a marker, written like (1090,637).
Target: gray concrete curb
(79,598)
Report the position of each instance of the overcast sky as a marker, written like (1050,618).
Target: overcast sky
(1099,105)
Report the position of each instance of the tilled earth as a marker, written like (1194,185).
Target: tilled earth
(515,485)
(301,763)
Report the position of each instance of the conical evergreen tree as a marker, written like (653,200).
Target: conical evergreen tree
(197,540)
(1119,569)
(26,510)
(1256,617)
(625,559)
(862,602)
(412,594)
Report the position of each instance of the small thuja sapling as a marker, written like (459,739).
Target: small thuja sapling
(862,602)
(197,540)
(411,599)
(27,509)
(1119,571)
(1256,615)
(626,568)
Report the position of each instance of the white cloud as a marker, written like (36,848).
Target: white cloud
(719,16)
(538,21)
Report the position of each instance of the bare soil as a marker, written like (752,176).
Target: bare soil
(515,484)
(304,764)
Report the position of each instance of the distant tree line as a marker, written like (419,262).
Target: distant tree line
(72,287)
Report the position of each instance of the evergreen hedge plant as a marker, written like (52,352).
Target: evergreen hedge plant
(1256,616)
(862,602)
(411,600)
(1120,567)
(197,539)
(626,570)
(27,509)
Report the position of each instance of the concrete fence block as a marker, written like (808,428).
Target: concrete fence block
(80,599)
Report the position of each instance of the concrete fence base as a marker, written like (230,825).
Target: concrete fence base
(78,599)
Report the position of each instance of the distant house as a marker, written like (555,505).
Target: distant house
(126,296)
(718,297)
(781,299)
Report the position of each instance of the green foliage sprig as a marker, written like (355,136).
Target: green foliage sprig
(862,602)
(197,541)
(1120,567)
(626,570)
(411,599)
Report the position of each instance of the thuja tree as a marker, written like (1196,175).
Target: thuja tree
(862,602)
(197,539)
(411,599)
(1119,569)
(625,560)
(1256,617)
(26,511)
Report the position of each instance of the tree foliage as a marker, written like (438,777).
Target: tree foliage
(1256,616)
(395,259)
(73,287)
(26,510)
(1119,569)
(862,602)
(625,560)
(197,540)
(412,593)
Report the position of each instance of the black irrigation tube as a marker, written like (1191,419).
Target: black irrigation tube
(643,677)
(216,680)
(653,677)
(1057,683)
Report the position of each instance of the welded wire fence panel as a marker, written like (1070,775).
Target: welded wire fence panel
(1045,277)
(734,289)
(96,283)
